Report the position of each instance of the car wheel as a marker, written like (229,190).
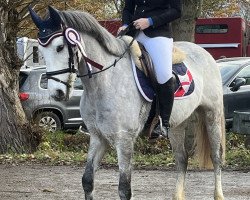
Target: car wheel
(49,121)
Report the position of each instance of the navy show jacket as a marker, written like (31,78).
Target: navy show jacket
(162,12)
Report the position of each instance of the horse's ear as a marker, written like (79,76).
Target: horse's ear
(36,19)
(54,14)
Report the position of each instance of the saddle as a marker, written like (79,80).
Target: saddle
(143,60)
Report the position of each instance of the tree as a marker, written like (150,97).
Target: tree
(230,8)
(183,28)
(15,133)
(100,9)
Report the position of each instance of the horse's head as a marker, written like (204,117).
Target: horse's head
(58,51)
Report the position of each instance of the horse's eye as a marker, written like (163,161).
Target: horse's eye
(59,48)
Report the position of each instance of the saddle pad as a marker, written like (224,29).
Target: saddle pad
(184,85)
(143,83)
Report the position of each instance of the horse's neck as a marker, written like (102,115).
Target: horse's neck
(94,50)
(104,80)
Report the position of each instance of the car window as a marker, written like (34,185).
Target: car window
(44,83)
(227,71)
(211,28)
(245,73)
(22,79)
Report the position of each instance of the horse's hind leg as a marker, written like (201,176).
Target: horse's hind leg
(216,133)
(125,148)
(96,152)
(177,139)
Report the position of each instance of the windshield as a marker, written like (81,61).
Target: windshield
(228,69)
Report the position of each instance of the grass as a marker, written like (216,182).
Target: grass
(237,156)
(71,149)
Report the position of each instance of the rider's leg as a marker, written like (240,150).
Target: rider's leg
(166,100)
(160,50)
(151,115)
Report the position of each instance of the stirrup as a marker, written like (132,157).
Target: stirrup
(159,131)
(164,129)
(83,129)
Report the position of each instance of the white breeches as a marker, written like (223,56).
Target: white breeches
(160,49)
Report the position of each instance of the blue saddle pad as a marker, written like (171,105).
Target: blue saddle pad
(184,85)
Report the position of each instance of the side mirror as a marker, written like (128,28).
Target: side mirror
(238,82)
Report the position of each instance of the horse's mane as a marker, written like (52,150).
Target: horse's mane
(84,22)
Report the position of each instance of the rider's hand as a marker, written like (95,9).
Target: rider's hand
(122,28)
(141,23)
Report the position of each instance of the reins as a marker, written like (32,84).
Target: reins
(93,63)
(112,65)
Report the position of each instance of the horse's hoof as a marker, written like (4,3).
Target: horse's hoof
(219,198)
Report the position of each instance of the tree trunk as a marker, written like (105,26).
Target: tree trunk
(183,28)
(15,131)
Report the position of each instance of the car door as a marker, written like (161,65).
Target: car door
(238,100)
(69,109)
(73,105)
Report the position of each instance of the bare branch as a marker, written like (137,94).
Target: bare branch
(199,9)
(24,11)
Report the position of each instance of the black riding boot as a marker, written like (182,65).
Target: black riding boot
(151,116)
(166,100)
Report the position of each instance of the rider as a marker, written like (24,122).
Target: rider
(153,18)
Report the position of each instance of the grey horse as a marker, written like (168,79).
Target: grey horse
(112,107)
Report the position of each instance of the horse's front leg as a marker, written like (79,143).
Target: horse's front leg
(96,152)
(125,148)
(177,139)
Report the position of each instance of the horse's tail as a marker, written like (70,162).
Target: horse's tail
(202,143)
(223,139)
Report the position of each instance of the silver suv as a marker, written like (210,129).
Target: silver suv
(44,110)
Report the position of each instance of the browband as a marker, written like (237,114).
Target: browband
(44,44)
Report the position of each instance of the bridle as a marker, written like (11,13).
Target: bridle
(73,40)
(71,68)
(71,64)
